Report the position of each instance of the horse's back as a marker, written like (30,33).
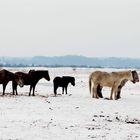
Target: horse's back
(102,78)
(57,79)
(6,76)
(39,74)
(62,80)
(2,76)
(68,78)
(4,72)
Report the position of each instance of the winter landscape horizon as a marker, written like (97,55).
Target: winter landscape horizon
(70,61)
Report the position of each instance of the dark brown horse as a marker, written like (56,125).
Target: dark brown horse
(31,79)
(63,82)
(6,76)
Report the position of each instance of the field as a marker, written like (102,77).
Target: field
(75,116)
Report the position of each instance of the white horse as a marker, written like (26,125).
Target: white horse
(112,80)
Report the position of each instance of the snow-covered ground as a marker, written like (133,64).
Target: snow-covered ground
(75,116)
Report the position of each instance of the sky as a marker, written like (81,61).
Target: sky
(92,28)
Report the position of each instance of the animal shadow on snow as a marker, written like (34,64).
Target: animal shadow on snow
(25,94)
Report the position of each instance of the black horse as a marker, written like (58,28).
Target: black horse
(6,76)
(31,79)
(99,91)
(63,82)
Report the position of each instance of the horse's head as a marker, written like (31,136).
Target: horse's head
(19,80)
(73,81)
(135,76)
(46,75)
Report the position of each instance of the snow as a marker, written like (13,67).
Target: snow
(75,116)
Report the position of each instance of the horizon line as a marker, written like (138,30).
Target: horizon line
(72,55)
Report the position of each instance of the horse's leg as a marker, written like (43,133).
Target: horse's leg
(14,85)
(16,90)
(123,82)
(30,90)
(62,90)
(4,87)
(34,90)
(94,94)
(115,94)
(99,91)
(114,90)
(66,89)
(119,92)
(55,89)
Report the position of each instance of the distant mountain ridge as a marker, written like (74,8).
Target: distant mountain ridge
(70,61)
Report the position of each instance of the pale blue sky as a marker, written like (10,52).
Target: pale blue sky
(94,28)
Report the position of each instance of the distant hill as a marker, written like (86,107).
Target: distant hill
(70,61)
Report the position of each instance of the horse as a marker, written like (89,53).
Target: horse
(31,78)
(99,89)
(112,80)
(6,76)
(63,82)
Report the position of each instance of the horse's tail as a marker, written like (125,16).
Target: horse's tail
(90,82)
